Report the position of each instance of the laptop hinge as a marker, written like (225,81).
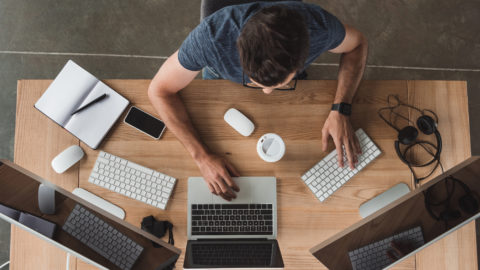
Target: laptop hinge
(231,239)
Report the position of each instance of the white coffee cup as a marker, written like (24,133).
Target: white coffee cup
(270,147)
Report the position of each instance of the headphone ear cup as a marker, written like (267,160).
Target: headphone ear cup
(449,215)
(407,135)
(426,124)
(469,204)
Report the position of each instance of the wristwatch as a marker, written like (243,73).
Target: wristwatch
(343,108)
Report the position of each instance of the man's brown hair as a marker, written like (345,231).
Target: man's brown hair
(273,43)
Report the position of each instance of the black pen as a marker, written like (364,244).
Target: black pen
(90,103)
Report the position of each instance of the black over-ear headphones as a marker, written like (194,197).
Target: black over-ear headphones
(468,203)
(409,134)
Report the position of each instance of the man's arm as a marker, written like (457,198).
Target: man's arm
(163,94)
(354,49)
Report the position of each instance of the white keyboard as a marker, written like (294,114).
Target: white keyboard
(132,180)
(327,176)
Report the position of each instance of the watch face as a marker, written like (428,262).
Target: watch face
(345,108)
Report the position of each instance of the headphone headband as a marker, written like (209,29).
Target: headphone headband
(467,202)
(462,184)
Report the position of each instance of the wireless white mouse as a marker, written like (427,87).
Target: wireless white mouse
(67,158)
(239,122)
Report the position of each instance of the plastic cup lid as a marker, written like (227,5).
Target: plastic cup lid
(270,147)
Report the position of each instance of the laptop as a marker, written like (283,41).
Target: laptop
(239,234)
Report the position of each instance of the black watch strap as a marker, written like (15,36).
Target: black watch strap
(343,108)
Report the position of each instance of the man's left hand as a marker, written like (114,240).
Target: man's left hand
(339,127)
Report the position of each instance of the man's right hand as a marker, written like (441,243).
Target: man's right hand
(218,173)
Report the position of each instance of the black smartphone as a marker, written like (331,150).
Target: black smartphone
(145,122)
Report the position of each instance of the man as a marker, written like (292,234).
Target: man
(263,45)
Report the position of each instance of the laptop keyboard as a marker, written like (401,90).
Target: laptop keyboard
(232,254)
(232,219)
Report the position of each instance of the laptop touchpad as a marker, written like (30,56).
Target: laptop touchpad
(243,196)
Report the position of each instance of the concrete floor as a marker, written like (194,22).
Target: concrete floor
(423,39)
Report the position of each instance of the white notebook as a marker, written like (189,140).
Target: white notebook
(72,88)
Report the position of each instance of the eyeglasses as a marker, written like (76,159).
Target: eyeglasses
(286,87)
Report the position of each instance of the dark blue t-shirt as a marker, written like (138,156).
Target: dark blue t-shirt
(213,42)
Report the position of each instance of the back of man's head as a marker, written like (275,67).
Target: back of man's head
(273,44)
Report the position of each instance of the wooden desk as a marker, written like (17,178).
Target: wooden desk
(296,116)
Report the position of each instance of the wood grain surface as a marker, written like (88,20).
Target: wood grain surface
(297,116)
(448,99)
(37,141)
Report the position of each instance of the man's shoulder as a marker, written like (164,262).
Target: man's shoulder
(237,15)
(230,16)
(244,11)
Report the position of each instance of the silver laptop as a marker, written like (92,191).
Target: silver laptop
(237,234)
